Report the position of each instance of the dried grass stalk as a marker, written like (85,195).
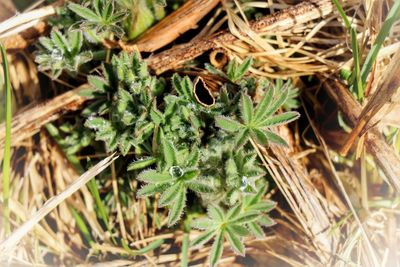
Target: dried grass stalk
(8,245)
(282,20)
(375,143)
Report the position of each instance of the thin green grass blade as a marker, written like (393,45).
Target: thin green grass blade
(342,14)
(392,17)
(101,209)
(82,226)
(358,86)
(7,143)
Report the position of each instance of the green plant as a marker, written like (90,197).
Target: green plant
(239,221)
(100,16)
(59,52)
(185,151)
(7,141)
(177,174)
(361,69)
(256,123)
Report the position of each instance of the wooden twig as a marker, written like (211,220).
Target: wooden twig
(283,20)
(29,122)
(24,39)
(375,144)
(167,30)
(14,31)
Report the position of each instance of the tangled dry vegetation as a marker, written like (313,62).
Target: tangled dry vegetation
(336,184)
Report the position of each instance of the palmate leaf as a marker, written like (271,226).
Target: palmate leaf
(176,209)
(217,249)
(215,213)
(275,105)
(266,221)
(246,106)
(239,230)
(234,241)
(200,187)
(274,138)
(241,138)
(142,163)
(228,124)
(246,217)
(260,136)
(279,119)
(256,230)
(243,68)
(59,41)
(264,206)
(170,194)
(152,176)
(76,41)
(169,152)
(151,189)
(235,71)
(202,224)
(234,212)
(84,12)
(264,104)
(194,157)
(203,238)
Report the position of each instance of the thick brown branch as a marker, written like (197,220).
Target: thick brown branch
(167,30)
(283,20)
(29,122)
(375,144)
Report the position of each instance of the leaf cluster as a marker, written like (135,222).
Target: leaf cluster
(58,52)
(101,16)
(182,149)
(243,219)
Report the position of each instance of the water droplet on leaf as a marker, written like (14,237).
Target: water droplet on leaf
(245,183)
(176,171)
(56,54)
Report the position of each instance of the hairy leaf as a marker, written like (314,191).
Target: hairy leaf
(227,124)
(152,176)
(170,194)
(217,249)
(246,108)
(280,119)
(203,238)
(235,242)
(142,163)
(177,207)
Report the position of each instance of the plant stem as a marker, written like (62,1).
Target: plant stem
(7,143)
(185,250)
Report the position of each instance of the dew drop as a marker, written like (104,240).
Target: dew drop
(176,171)
(245,183)
(56,54)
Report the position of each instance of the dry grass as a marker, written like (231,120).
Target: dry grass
(334,211)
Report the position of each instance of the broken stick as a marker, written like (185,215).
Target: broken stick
(29,122)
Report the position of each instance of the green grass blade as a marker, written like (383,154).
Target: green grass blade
(358,85)
(7,143)
(342,14)
(102,213)
(392,17)
(82,226)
